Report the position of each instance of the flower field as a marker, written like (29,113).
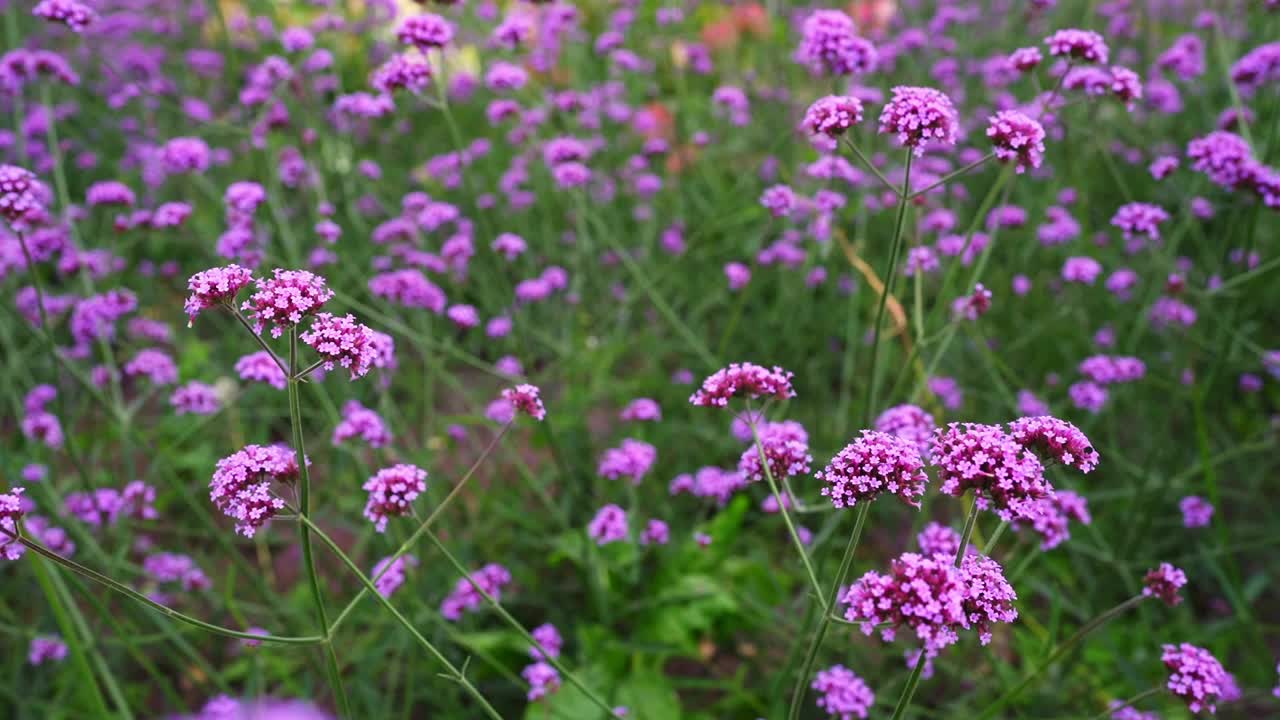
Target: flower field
(640,360)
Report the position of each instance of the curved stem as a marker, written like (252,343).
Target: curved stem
(890,275)
(515,624)
(400,618)
(824,623)
(1131,701)
(426,524)
(129,592)
(951,176)
(875,170)
(786,516)
(304,533)
(1058,652)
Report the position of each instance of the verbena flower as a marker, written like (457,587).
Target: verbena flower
(918,116)
(609,525)
(491,578)
(833,115)
(656,532)
(67,12)
(260,367)
(786,450)
(548,641)
(1195,675)
(46,648)
(241,485)
(389,574)
(1052,516)
(176,568)
(425,31)
(940,540)
(743,380)
(988,597)
(1196,511)
(1076,44)
(392,491)
(1005,476)
(872,464)
(1140,219)
(17,193)
(1164,582)
(284,299)
(1016,137)
(359,421)
(526,399)
(641,410)
(922,593)
(543,680)
(196,398)
(341,341)
(1058,439)
(844,694)
(830,45)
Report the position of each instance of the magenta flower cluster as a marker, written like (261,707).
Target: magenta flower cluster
(873,464)
(284,299)
(392,491)
(341,341)
(1195,675)
(844,695)
(919,116)
(491,579)
(241,485)
(1017,138)
(743,380)
(1164,582)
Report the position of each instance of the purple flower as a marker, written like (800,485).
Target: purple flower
(655,532)
(401,72)
(1257,67)
(1058,439)
(1025,59)
(925,594)
(909,422)
(17,193)
(940,540)
(392,491)
(46,648)
(548,641)
(786,450)
(844,694)
(1004,475)
(918,116)
(389,574)
(527,399)
(1126,85)
(872,464)
(832,115)
(737,274)
(285,298)
(174,568)
(1164,582)
(196,398)
(1081,269)
(632,459)
(743,379)
(641,410)
(109,192)
(988,597)
(1140,219)
(341,341)
(156,365)
(779,200)
(359,421)
(1196,511)
(830,45)
(609,525)
(261,367)
(1017,137)
(241,485)
(465,597)
(425,31)
(68,12)
(543,680)
(185,155)
(1224,157)
(1195,675)
(410,288)
(1076,44)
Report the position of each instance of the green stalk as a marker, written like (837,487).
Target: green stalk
(400,618)
(786,516)
(515,625)
(1058,652)
(889,275)
(797,695)
(304,533)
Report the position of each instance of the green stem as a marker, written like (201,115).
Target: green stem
(515,625)
(426,525)
(951,176)
(453,671)
(1058,652)
(1131,701)
(786,516)
(876,171)
(89,684)
(123,589)
(304,533)
(797,695)
(889,277)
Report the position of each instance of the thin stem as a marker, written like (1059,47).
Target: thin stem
(786,516)
(967,533)
(515,624)
(400,618)
(426,524)
(304,533)
(889,275)
(951,176)
(261,343)
(991,541)
(1131,701)
(797,695)
(1058,652)
(875,170)
(129,592)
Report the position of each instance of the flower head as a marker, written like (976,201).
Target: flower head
(1085,45)
(491,578)
(1017,137)
(830,45)
(609,525)
(392,491)
(844,694)
(833,115)
(918,116)
(1195,675)
(786,449)
(743,379)
(425,31)
(988,597)
(389,573)
(1005,475)
(241,484)
(1164,582)
(1058,439)
(526,399)
(632,459)
(17,193)
(923,593)
(342,341)
(872,464)
(285,298)
(1196,511)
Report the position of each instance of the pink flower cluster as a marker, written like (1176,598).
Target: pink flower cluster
(389,574)
(1112,369)
(1058,439)
(832,115)
(609,525)
(391,492)
(1052,516)
(425,31)
(466,598)
(1085,45)
(342,341)
(1005,475)
(786,450)
(526,399)
(632,459)
(359,421)
(213,287)
(285,298)
(241,484)
(1195,675)
(1164,582)
(988,597)
(743,379)
(872,464)
(1017,137)
(925,594)
(918,116)
(74,15)
(17,193)
(830,44)
(844,694)
(909,422)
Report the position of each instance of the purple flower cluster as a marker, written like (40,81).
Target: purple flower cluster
(425,31)
(1005,475)
(341,341)
(527,399)
(786,451)
(988,597)
(491,578)
(844,694)
(830,45)
(1164,582)
(285,298)
(17,193)
(389,573)
(609,525)
(1196,511)
(241,484)
(832,115)
(1016,137)
(923,593)
(1057,439)
(196,398)
(918,116)
(911,423)
(1195,675)
(46,648)
(1112,369)
(1140,219)
(743,380)
(1052,516)
(872,464)
(1076,44)
(68,12)
(632,459)
(391,493)
(359,421)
